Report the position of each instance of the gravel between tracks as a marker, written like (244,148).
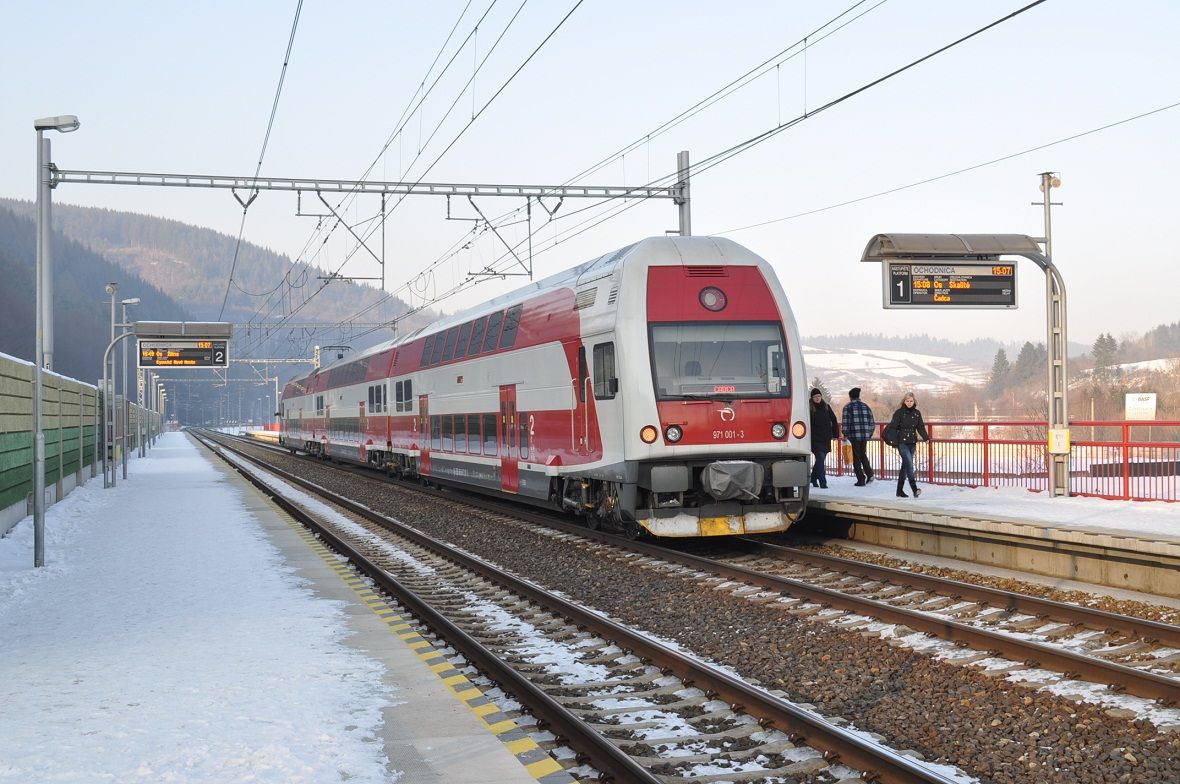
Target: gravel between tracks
(994,729)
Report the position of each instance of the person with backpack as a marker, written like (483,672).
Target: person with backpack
(858,425)
(824,428)
(904,431)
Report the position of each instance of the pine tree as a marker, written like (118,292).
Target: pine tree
(1001,374)
(1029,362)
(1105,352)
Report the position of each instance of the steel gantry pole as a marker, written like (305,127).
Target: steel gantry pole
(43,305)
(124,413)
(682,197)
(1057,346)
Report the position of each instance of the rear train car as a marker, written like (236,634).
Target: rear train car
(658,388)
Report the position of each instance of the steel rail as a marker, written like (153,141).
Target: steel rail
(601,753)
(876,762)
(1147,630)
(1033,654)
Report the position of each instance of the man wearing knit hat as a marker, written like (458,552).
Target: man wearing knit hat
(858,426)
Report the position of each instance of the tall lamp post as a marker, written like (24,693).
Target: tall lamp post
(126,395)
(108,404)
(43,350)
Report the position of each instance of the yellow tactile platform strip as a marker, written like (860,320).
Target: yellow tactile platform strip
(536,760)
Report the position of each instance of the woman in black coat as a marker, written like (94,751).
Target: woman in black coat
(908,428)
(824,428)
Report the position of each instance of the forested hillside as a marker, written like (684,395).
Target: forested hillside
(192,264)
(81,306)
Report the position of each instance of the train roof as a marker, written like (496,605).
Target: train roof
(719,250)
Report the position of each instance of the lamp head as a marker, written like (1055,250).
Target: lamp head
(132,301)
(63,122)
(112,288)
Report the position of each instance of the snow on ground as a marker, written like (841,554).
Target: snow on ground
(1142,518)
(167,640)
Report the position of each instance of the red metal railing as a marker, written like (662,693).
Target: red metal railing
(1127,460)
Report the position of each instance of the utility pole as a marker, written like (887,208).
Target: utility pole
(1058,351)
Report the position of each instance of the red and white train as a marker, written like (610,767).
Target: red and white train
(659,387)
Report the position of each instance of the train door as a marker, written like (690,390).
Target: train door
(423,435)
(362,422)
(581,424)
(509,452)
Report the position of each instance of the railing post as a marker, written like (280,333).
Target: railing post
(930,454)
(1126,462)
(987,468)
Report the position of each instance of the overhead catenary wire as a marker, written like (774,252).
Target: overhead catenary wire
(747,144)
(954,173)
(462,131)
(262,154)
(814,37)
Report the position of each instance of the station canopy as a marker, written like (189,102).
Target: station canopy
(949,246)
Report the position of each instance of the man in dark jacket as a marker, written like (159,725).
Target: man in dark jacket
(824,428)
(858,427)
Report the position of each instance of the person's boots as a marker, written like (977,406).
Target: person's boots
(914,488)
(901,487)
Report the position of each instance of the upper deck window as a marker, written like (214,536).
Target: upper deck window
(511,323)
(493,334)
(723,360)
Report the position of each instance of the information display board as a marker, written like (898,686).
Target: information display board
(183,353)
(949,285)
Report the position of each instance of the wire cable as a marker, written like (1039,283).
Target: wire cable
(262,153)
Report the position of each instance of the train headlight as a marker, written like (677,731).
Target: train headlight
(778,430)
(798,430)
(713,299)
(673,433)
(649,434)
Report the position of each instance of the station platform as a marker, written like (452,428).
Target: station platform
(184,629)
(1126,545)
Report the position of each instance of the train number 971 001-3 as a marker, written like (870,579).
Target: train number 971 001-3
(726,435)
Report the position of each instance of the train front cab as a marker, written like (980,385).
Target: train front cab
(730,453)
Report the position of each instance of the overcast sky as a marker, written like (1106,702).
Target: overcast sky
(188,88)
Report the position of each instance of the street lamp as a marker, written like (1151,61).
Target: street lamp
(108,405)
(126,395)
(43,350)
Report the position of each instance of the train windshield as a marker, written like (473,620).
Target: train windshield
(719,360)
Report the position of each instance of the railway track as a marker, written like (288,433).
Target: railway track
(1122,653)
(636,709)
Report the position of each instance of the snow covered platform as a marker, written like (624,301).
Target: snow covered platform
(185,630)
(1132,545)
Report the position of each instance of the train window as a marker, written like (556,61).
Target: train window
(477,335)
(464,336)
(427,347)
(409,404)
(524,436)
(474,444)
(439,343)
(319,405)
(384,397)
(436,432)
(398,396)
(606,384)
(511,323)
(449,350)
(489,434)
(583,374)
(460,433)
(448,435)
(493,334)
(372,391)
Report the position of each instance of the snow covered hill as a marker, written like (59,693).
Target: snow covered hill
(886,370)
